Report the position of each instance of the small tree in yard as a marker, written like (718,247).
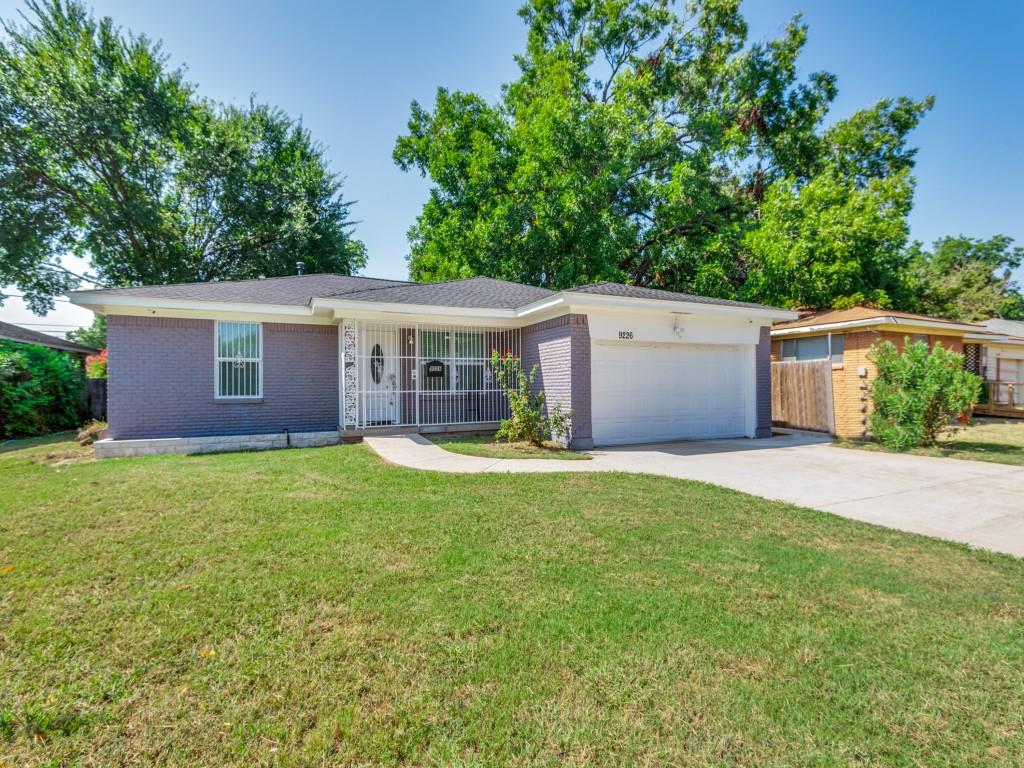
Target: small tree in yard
(918,394)
(530,420)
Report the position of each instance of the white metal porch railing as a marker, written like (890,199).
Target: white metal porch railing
(420,375)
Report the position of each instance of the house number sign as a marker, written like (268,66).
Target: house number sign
(435,369)
(626,335)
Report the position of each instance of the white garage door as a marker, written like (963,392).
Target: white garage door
(648,393)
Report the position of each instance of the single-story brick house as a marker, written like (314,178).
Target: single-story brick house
(845,336)
(314,358)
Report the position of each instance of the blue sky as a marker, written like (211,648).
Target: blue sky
(350,70)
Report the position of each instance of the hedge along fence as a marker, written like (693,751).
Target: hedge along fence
(41,390)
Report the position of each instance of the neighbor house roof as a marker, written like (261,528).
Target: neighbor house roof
(28,336)
(1008,327)
(997,331)
(860,316)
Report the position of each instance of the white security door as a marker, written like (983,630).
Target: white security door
(658,392)
(378,367)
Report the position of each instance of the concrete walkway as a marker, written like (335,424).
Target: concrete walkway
(967,501)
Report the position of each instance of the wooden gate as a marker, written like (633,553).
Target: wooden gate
(802,395)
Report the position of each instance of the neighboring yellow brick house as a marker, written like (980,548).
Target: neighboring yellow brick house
(846,335)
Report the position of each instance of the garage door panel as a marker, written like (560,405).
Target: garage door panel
(646,393)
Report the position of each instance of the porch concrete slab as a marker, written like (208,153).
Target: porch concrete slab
(972,502)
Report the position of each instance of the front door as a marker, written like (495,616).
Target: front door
(379,377)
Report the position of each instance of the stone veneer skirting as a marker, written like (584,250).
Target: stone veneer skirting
(117,449)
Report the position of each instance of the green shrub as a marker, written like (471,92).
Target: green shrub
(530,421)
(41,390)
(918,394)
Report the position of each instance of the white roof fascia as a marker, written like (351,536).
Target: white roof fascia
(887,320)
(671,305)
(106,302)
(350,308)
(541,305)
(994,338)
(111,302)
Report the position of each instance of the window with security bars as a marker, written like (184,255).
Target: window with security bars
(462,355)
(239,363)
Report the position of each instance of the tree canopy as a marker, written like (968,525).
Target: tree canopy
(107,153)
(968,279)
(661,148)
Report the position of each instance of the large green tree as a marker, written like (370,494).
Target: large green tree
(107,153)
(642,144)
(967,279)
(836,236)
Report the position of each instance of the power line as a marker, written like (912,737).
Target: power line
(22,296)
(51,325)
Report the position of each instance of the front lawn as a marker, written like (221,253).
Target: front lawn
(321,607)
(987,439)
(485,445)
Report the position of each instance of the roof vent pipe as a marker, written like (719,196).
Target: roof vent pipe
(300,267)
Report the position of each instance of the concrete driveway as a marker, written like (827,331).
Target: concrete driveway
(967,501)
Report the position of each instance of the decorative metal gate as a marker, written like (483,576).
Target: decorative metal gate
(421,375)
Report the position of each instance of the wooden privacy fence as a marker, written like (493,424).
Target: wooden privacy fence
(802,395)
(96,398)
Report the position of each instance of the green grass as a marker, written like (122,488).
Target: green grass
(321,607)
(484,445)
(996,440)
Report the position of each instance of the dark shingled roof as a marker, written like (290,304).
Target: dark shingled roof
(475,292)
(295,289)
(28,336)
(636,292)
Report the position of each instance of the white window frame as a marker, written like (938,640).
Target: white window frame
(217,360)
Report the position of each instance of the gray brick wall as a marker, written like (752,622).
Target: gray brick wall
(763,359)
(161,378)
(561,347)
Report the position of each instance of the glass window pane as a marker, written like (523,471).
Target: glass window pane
(434,344)
(470,377)
(224,340)
(789,349)
(838,347)
(815,348)
(238,340)
(238,379)
(469,345)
